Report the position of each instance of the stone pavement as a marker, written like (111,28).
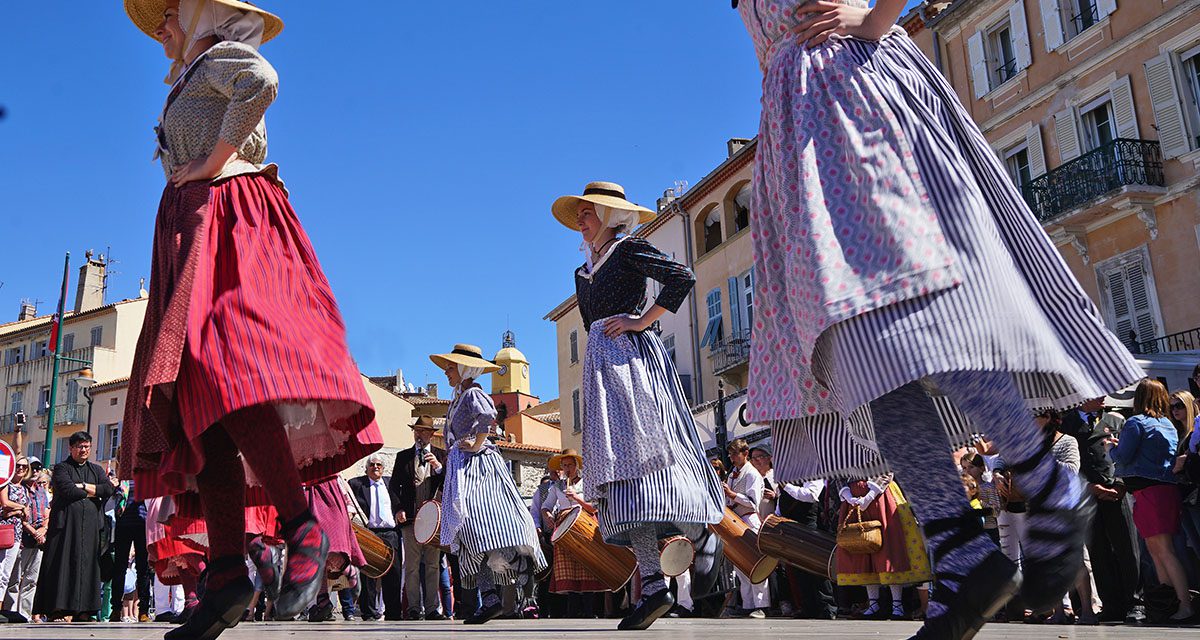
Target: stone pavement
(770,629)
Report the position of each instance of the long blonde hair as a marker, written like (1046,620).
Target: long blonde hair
(1189,408)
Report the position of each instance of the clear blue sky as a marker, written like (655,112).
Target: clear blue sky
(422,144)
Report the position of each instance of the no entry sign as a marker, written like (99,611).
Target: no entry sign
(8,463)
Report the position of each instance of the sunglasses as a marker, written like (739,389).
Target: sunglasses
(375,464)
(1176,405)
(22,466)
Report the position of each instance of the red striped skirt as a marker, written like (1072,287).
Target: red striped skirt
(240,314)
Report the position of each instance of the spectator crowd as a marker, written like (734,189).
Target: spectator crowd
(73,542)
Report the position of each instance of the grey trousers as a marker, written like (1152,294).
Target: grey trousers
(23,582)
(415,554)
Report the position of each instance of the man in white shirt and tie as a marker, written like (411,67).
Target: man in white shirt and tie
(379,503)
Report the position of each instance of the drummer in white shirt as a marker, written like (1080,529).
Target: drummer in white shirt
(743,494)
(569,576)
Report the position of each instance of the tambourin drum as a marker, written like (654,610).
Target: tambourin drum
(578,534)
(379,554)
(675,555)
(806,549)
(427,528)
(741,547)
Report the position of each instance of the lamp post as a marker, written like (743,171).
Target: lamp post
(84,381)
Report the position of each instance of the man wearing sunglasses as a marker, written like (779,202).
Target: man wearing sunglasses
(379,503)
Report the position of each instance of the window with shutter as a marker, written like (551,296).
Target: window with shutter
(1020,35)
(713,330)
(1052,23)
(1016,159)
(574,347)
(1084,14)
(1067,135)
(1098,126)
(1036,153)
(980,76)
(97,335)
(1131,305)
(577,425)
(748,299)
(68,342)
(735,308)
(1124,113)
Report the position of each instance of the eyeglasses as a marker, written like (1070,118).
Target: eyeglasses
(375,464)
(1176,405)
(22,466)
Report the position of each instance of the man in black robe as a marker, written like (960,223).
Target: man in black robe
(69,582)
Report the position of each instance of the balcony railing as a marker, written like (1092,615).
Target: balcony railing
(1182,341)
(1120,163)
(730,352)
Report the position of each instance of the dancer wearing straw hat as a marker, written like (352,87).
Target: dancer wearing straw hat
(894,257)
(484,518)
(223,396)
(643,464)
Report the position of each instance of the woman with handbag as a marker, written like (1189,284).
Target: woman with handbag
(14,516)
(23,579)
(879,543)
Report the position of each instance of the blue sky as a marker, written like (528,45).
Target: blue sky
(422,144)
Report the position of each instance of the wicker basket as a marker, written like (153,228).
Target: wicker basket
(860,538)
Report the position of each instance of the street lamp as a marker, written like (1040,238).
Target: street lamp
(84,381)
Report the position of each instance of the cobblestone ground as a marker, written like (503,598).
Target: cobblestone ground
(585,630)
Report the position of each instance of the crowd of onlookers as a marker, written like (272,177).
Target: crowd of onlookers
(1141,464)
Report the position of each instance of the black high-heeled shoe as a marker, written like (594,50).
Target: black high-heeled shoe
(219,609)
(301,583)
(982,592)
(1048,575)
(651,608)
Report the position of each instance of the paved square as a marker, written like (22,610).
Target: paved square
(773,629)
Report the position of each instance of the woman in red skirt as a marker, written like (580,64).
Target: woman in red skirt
(242,384)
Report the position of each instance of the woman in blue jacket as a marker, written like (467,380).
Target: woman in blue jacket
(1145,455)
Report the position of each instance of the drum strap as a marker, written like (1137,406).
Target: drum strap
(356,510)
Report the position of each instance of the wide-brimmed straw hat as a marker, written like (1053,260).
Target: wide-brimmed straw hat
(555,462)
(609,194)
(465,354)
(148,14)
(423,422)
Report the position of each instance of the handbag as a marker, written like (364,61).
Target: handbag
(8,536)
(859,537)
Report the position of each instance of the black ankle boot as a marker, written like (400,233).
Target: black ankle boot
(981,593)
(706,566)
(219,609)
(651,608)
(487,612)
(1049,575)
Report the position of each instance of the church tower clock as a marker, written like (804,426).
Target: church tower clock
(513,376)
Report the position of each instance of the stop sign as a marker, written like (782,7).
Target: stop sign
(8,463)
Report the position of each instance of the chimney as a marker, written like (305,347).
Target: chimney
(90,293)
(735,144)
(431,390)
(400,386)
(667,198)
(28,310)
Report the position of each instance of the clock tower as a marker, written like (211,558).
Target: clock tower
(513,376)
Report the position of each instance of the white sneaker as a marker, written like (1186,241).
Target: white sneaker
(758,614)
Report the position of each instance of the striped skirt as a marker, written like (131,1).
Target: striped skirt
(677,498)
(484,519)
(1010,302)
(239,314)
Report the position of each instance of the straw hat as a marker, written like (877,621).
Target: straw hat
(609,194)
(423,422)
(555,462)
(148,14)
(465,354)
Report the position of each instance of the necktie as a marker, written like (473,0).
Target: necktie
(375,505)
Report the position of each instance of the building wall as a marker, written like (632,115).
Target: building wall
(570,375)
(1042,103)
(672,240)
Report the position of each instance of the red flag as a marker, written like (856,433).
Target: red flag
(53,344)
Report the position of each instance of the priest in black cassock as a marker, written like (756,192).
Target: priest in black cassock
(69,582)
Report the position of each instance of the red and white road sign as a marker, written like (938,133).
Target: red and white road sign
(8,463)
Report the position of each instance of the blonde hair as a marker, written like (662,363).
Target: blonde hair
(1189,408)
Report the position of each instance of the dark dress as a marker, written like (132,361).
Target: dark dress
(643,464)
(69,582)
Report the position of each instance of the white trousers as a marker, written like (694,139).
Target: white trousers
(754,596)
(683,590)
(168,598)
(22,581)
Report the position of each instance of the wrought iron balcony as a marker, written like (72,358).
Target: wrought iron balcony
(1182,341)
(731,352)
(1118,164)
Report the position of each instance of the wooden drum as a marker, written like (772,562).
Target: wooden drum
(806,549)
(579,535)
(379,554)
(741,547)
(427,528)
(675,555)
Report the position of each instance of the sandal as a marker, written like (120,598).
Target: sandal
(307,552)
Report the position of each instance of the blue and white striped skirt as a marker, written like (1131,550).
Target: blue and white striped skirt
(1018,308)
(484,518)
(679,497)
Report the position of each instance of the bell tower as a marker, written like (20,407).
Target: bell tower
(513,376)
